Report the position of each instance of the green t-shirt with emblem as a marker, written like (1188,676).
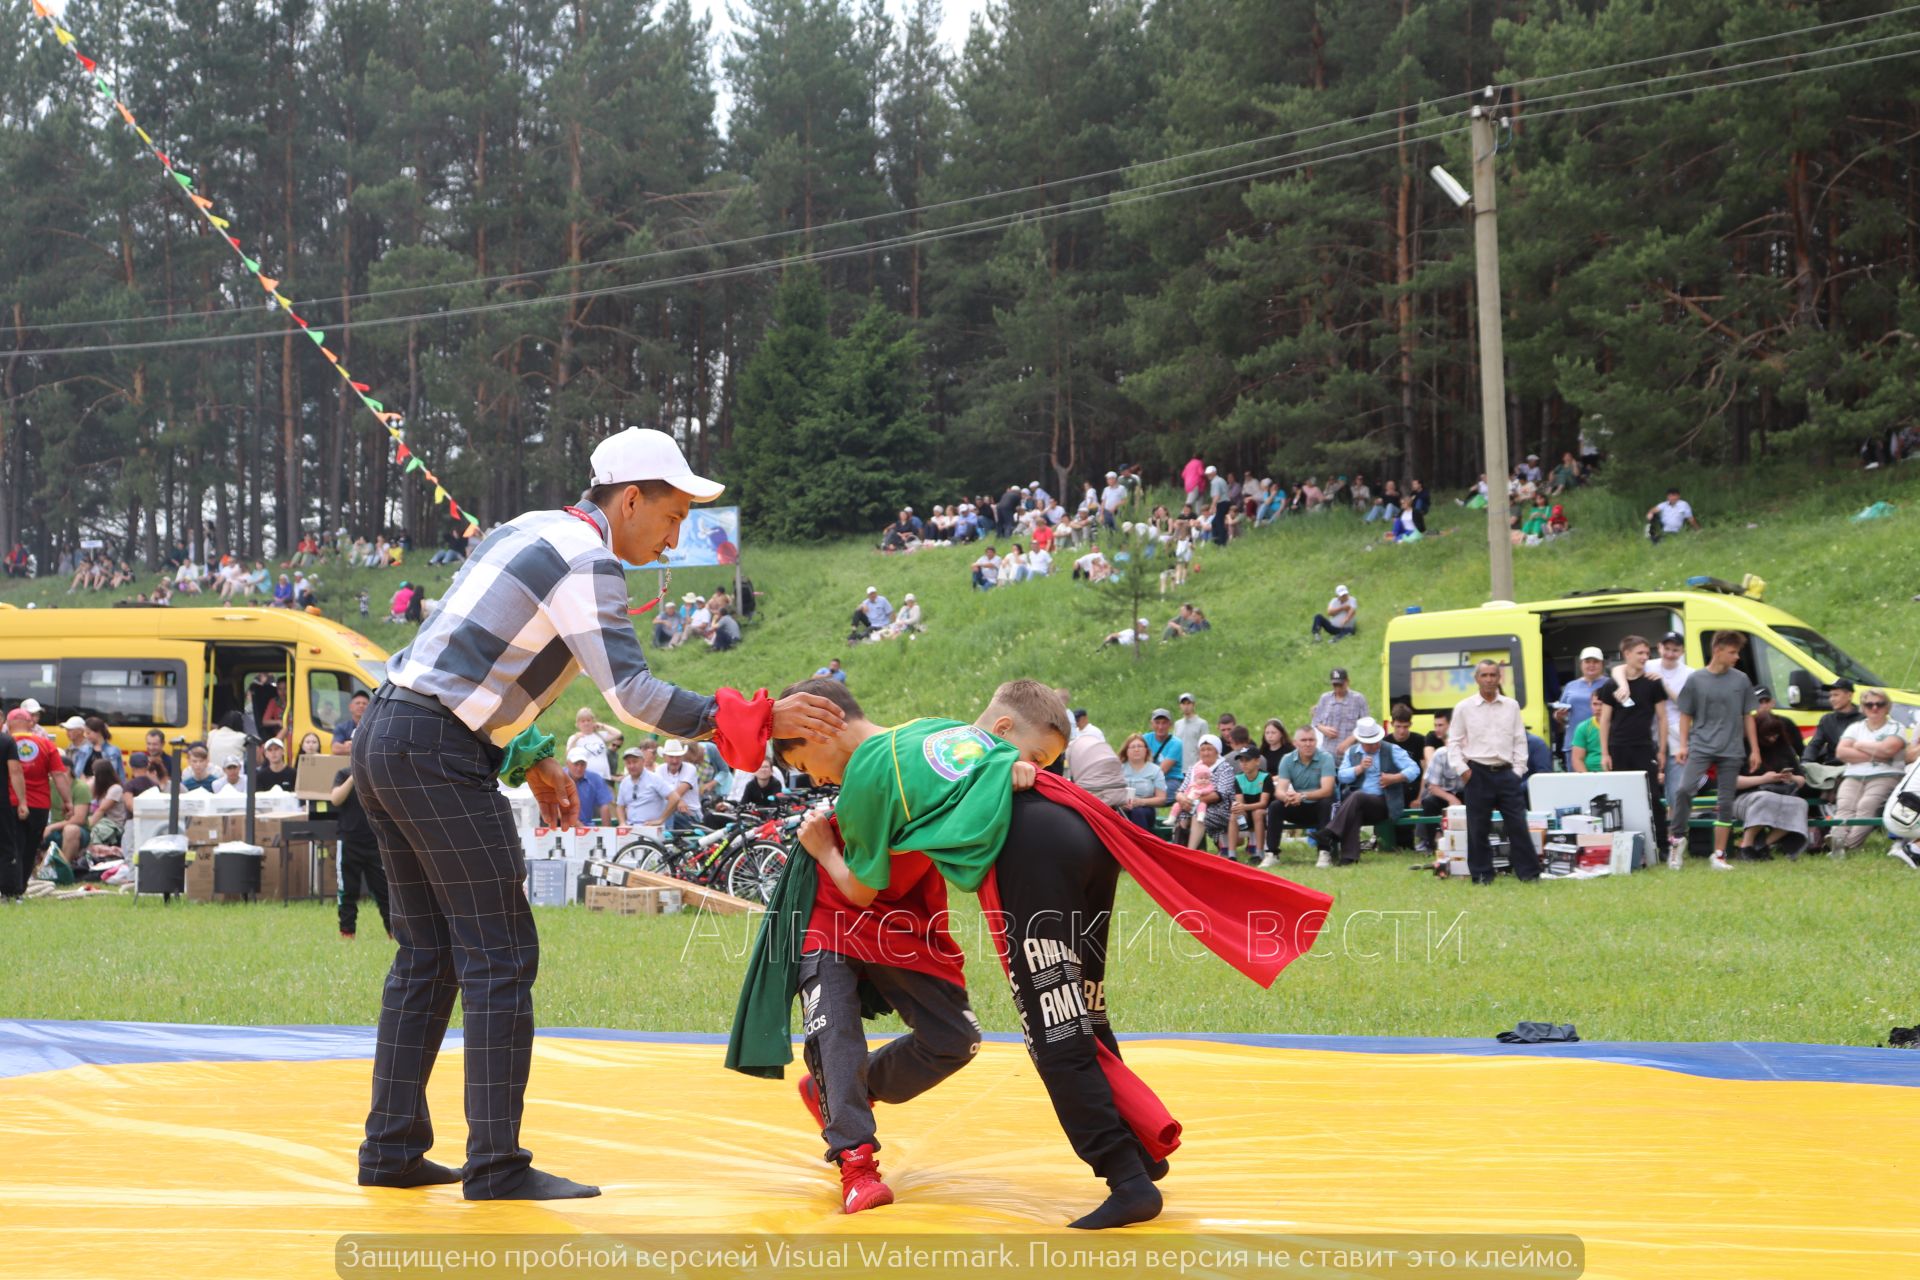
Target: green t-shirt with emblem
(940,787)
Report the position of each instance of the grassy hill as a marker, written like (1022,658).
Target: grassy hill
(1852,580)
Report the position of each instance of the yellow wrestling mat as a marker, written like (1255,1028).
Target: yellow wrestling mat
(246,1168)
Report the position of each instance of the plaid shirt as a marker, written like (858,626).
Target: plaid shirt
(539,601)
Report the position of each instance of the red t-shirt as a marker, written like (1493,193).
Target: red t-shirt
(905,926)
(1043,538)
(39,759)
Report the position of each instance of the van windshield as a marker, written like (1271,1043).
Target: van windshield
(1828,654)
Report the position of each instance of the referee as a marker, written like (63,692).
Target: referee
(541,600)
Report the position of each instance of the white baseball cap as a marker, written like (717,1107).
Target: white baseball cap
(579,755)
(30,706)
(1141,622)
(1340,590)
(909,596)
(1211,471)
(1113,475)
(673,747)
(273,742)
(1592,651)
(233,762)
(73,722)
(873,591)
(641,453)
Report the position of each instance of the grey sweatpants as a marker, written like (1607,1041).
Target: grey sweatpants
(1727,779)
(943,1036)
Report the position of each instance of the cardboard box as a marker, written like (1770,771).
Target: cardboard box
(547,882)
(204,831)
(622,901)
(200,871)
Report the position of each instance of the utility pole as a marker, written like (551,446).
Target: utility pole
(1493,375)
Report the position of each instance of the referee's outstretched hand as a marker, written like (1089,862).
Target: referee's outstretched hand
(807,715)
(553,790)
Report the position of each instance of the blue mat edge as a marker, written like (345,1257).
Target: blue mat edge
(28,1046)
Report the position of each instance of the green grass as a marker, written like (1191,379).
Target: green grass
(1812,951)
(1815,951)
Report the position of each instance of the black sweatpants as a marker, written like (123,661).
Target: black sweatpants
(454,866)
(1056,884)
(943,1037)
(360,864)
(1645,757)
(15,860)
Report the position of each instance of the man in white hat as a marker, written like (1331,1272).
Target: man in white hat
(32,707)
(879,609)
(540,601)
(1339,619)
(1378,776)
(1576,695)
(699,617)
(683,811)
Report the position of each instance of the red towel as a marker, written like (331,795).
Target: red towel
(1254,921)
(741,727)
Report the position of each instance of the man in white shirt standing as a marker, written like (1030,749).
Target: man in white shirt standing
(1671,516)
(1341,616)
(1487,746)
(1112,498)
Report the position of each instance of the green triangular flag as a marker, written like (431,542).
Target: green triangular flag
(251,265)
(183,179)
(373,404)
(413,464)
(103,86)
(319,338)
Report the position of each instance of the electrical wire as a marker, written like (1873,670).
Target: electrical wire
(823,228)
(1153,191)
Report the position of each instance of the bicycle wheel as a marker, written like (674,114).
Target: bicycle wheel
(759,869)
(646,854)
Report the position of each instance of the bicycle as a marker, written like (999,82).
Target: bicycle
(744,856)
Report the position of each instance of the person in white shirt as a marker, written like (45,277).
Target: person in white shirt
(1039,563)
(879,608)
(1112,498)
(1671,516)
(233,776)
(1013,565)
(1487,746)
(986,571)
(1092,566)
(1137,634)
(589,738)
(1871,751)
(679,773)
(643,796)
(699,618)
(1339,619)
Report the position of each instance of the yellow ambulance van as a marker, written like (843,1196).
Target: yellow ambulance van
(180,670)
(1429,657)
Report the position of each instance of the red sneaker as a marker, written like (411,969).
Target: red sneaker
(810,1096)
(860,1185)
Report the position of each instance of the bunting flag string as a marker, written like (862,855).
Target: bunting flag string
(204,206)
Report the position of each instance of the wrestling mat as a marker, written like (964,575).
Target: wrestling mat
(155,1151)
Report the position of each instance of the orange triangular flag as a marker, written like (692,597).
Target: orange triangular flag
(269,283)
(329,355)
(40,10)
(125,114)
(202,201)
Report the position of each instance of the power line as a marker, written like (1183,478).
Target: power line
(1172,186)
(1166,187)
(770,236)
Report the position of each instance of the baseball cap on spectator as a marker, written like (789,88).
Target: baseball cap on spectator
(73,722)
(579,755)
(1337,676)
(1340,590)
(630,751)
(1141,622)
(1186,697)
(1763,694)
(1161,713)
(138,760)
(1592,651)
(641,453)
(1673,637)
(1842,683)
(909,597)
(1367,729)
(1113,475)
(873,591)
(233,762)
(1080,713)
(1212,470)
(273,742)
(30,706)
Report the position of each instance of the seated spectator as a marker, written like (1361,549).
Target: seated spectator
(1199,809)
(1145,781)
(862,626)
(765,783)
(274,771)
(232,777)
(1093,567)
(1040,560)
(303,593)
(726,631)
(596,797)
(1556,521)
(1771,799)
(1671,516)
(1441,788)
(402,599)
(1127,637)
(1872,750)
(1341,618)
(283,593)
(832,671)
(1251,799)
(879,608)
(901,535)
(1375,775)
(453,552)
(1179,624)
(1565,476)
(986,571)
(668,627)
(1013,565)
(699,623)
(18,561)
(908,619)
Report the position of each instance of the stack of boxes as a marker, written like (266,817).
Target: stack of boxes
(1452,845)
(563,862)
(306,873)
(634,900)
